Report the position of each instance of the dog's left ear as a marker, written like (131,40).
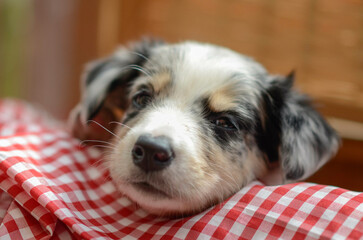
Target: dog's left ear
(295,138)
(105,86)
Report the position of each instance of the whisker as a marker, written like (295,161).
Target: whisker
(153,63)
(121,124)
(98,141)
(113,148)
(140,55)
(100,164)
(103,128)
(139,68)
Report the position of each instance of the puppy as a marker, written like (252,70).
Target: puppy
(194,123)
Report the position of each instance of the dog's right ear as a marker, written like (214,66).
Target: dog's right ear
(295,138)
(104,89)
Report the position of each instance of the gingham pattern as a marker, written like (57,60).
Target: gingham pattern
(50,187)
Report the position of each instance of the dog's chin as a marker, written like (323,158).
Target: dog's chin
(156,201)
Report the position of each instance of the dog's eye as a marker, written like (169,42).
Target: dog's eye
(225,122)
(141,99)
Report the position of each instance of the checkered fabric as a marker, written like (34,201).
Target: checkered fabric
(52,188)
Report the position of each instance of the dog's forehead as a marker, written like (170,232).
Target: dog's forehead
(192,70)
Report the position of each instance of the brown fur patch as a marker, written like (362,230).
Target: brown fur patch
(222,100)
(160,81)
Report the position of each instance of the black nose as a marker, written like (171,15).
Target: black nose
(152,153)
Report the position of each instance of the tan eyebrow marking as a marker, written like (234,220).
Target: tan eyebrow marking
(222,100)
(160,81)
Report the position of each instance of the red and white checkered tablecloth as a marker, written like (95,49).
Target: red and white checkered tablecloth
(51,188)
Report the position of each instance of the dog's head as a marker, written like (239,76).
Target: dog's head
(196,122)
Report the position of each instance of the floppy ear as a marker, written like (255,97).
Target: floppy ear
(105,86)
(295,138)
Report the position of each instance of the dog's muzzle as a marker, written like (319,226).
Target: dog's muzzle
(152,153)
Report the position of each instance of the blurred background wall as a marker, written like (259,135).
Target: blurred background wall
(44,45)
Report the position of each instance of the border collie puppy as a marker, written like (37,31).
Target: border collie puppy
(193,123)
